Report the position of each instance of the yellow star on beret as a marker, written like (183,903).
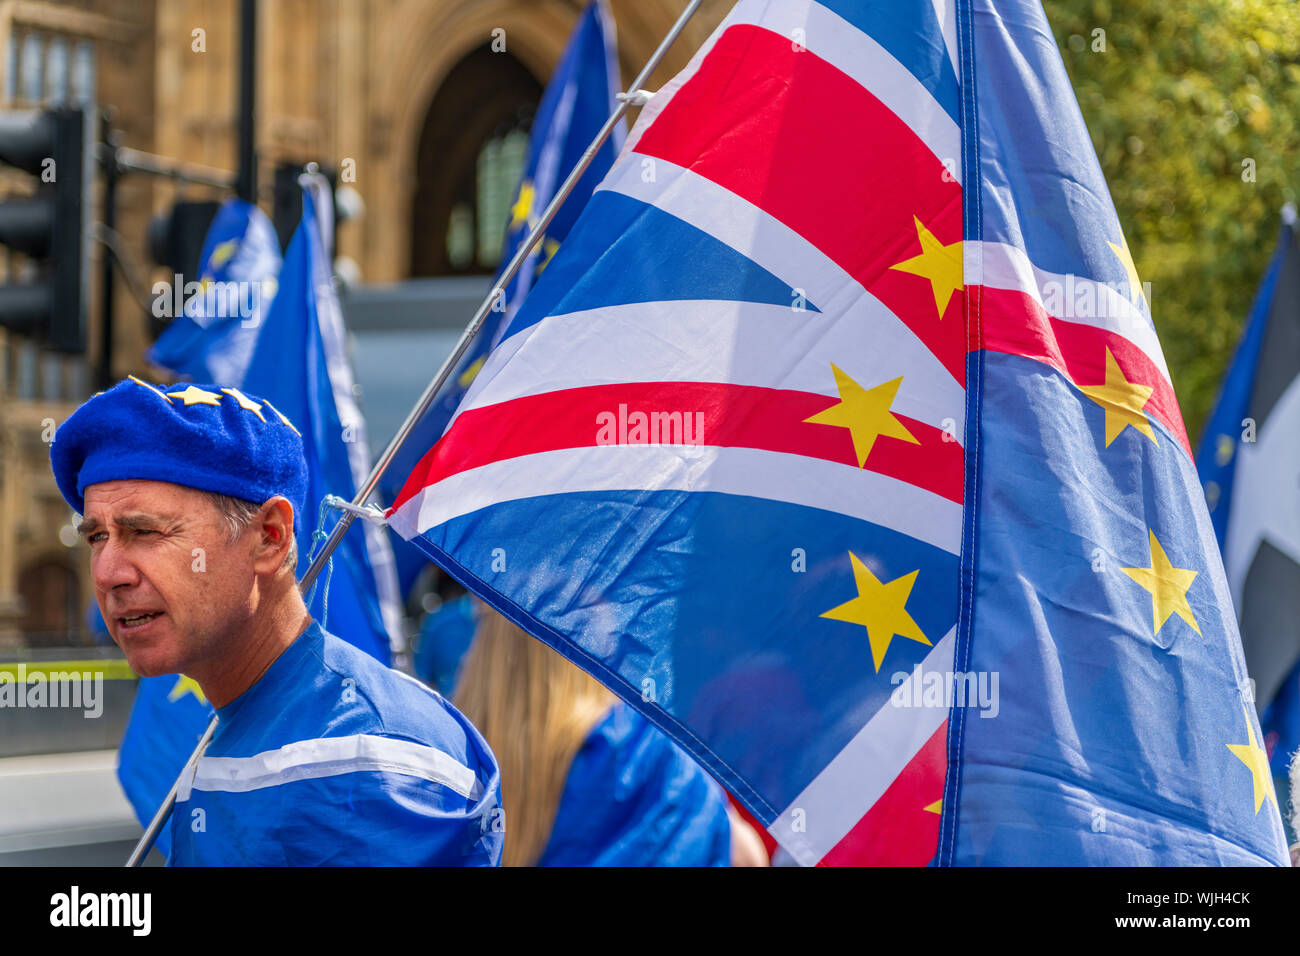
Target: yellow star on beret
(246,403)
(196,396)
(283,417)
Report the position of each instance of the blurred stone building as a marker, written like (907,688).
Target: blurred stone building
(409,95)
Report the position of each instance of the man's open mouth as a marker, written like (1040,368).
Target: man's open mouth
(138,619)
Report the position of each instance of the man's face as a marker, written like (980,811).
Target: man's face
(169,582)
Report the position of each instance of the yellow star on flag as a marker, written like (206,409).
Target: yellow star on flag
(248,405)
(1122,400)
(880,608)
(549,248)
(1168,586)
(521,211)
(1256,760)
(196,396)
(936,807)
(1223,449)
(941,264)
(467,377)
(864,412)
(222,252)
(1125,258)
(186,685)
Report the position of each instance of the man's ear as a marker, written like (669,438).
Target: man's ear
(274,525)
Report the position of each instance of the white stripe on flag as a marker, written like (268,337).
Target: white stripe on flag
(331,757)
(859,775)
(725,342)
(1008,267)
(810,482)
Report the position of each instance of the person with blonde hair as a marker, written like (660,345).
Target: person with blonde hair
(585,779)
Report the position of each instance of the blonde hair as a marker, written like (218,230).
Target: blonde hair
(535,710)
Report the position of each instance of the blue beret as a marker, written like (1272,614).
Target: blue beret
(200,436)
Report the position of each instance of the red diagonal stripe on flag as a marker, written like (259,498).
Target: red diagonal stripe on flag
(729,415)
(1015,323)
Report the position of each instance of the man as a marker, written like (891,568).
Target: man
(322,755)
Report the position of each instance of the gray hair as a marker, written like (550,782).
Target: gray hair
(239,514)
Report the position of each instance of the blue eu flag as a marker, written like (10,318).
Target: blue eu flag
(212,339)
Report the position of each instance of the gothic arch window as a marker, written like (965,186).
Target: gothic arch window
(471,151)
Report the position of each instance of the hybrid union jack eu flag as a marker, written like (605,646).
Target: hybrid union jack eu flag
(838,440)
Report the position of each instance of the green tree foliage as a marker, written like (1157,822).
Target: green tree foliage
(1187,103)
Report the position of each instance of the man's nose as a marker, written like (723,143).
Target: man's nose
(111,566)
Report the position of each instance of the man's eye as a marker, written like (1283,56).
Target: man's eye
(96,537)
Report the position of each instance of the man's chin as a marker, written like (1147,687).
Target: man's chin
(151,668)
(150,662)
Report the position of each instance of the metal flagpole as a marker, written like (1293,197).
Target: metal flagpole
(635,97)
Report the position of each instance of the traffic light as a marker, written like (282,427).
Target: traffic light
(176,237)
(286,201)
(50,227)
(176,241)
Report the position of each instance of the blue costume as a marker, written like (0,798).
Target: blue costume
(634,798)
(332,759)
(329,758)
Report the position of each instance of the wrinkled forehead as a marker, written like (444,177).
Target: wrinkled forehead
(106,499)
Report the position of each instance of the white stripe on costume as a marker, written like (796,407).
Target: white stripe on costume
(331,757)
